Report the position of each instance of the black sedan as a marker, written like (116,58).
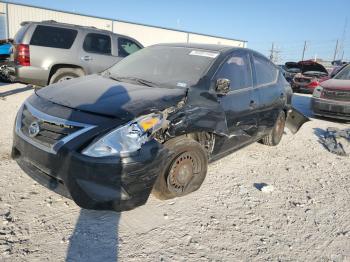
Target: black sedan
(151,123)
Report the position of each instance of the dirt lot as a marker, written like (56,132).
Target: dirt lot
(306,217)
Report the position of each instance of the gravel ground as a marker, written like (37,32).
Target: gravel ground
(284,203)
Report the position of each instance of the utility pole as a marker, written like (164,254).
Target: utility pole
(274,57)
(336,50)
(304,49)
(272,52)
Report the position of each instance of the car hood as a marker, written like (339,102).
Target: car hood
(336,84)
(306,66)
(104,96)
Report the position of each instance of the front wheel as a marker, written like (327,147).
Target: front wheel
(275,135)
(185,169)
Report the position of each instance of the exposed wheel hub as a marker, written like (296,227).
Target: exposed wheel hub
(181,173)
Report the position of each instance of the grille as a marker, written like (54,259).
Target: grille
(340,95)
(50,133)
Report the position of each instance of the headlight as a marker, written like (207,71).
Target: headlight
(317,91)
(126,139)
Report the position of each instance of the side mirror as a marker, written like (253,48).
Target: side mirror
(222,86)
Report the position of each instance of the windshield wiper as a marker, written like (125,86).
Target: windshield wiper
(135,79)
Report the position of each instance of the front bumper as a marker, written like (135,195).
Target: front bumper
(93,183)
(330,108)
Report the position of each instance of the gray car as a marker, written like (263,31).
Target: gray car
(48,52)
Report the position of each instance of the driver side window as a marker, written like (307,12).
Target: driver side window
(237,70)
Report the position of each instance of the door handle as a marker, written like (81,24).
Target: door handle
(86,58)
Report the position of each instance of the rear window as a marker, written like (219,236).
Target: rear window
(56,37)
(266,72)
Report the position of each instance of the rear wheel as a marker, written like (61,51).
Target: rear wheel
(64,74)
(275,135)
(185,169)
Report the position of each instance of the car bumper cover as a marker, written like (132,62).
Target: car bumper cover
(116,183)
(330,108)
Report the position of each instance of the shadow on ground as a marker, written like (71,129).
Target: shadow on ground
(95,237)
(15,91)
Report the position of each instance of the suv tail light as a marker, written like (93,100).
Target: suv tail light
(313,84)
(22,55)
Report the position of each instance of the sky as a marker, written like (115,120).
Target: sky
(286,23)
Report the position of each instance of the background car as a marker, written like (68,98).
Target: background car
(332,97)
(48,52)
(291,69)
(311,73)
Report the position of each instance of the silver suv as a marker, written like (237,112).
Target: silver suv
(48,52)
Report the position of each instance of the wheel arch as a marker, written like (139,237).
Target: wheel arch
(55,67)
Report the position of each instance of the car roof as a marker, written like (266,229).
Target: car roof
(211,47)
(73,26)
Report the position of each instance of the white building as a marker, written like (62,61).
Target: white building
(11,16)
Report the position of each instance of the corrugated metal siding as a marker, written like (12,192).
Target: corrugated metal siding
(3,33)
(18,14)
(2,8)
(148,35)
(197,38)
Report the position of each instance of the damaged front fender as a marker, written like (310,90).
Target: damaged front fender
(201,113)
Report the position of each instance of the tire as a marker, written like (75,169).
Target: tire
(275,135)
(63,74)
(185,169)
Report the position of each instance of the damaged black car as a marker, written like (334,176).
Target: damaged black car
(151,123)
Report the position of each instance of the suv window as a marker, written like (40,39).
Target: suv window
(56,37)
(97,43)
(126,47)
(266,72)
(237,70)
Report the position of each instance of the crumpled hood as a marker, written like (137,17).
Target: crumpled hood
(104,96)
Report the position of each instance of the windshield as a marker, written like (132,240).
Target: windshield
(344,74)
(164,66)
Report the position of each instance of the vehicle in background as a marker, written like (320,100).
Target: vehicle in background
(291,69)
(310,75)
(332,97)
(48,52)
(6,68)
(151,123)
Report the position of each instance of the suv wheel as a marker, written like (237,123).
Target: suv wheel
(185,169)
(275,135)
(64,74)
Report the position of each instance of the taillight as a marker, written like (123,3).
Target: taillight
(313,84)
(22,56)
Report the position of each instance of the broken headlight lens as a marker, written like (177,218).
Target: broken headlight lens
(126,139)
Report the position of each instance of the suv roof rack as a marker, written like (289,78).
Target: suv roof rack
(55,22)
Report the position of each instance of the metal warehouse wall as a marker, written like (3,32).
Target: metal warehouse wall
(145,34)
(18,14)
(148,35)
(3,27)
(198,38)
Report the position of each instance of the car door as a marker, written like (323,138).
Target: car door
(270,91)
(97,53)
(240,103)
